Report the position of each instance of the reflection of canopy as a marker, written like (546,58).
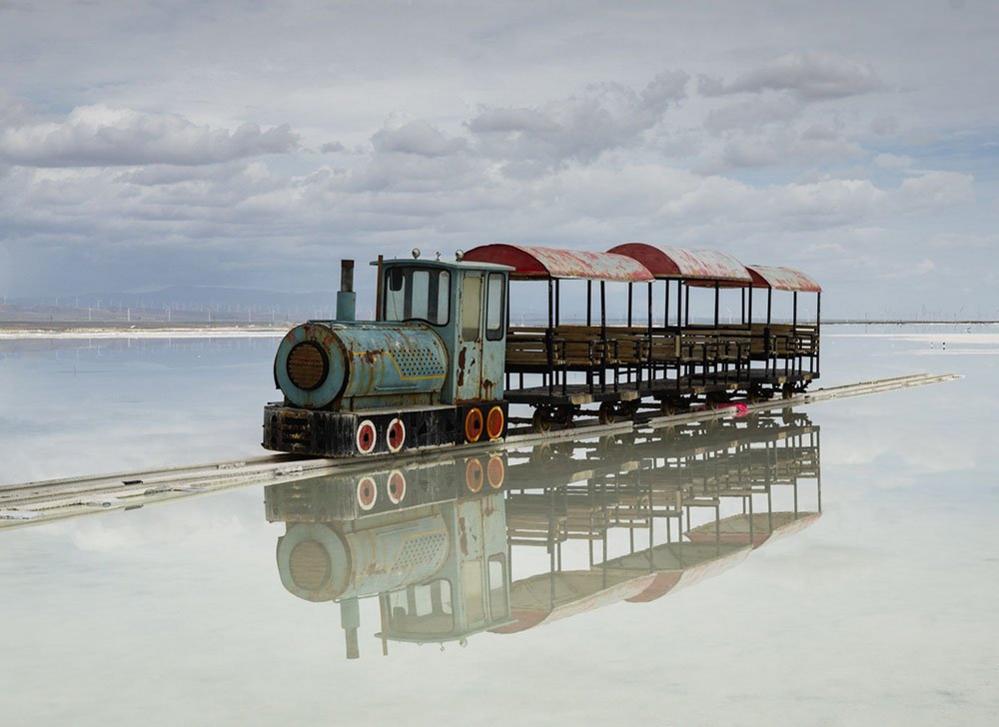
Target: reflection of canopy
(766,527)
(691,265)
(782,278)
(529,261)
(545,597)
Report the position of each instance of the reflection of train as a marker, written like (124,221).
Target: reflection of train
(441,364)
(436,544)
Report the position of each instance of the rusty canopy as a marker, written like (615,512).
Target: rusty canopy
(694,266)
(782,278)
(531,262)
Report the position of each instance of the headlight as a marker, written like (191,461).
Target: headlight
(307,366)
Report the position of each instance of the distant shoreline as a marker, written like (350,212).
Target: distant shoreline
(82,329)
(148,329)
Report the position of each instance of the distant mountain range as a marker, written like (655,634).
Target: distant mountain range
(190,298)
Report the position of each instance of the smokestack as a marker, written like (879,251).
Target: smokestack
(346,299)
(350,622)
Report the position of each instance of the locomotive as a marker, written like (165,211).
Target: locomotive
(428,371)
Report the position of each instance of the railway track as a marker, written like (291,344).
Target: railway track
(35,502)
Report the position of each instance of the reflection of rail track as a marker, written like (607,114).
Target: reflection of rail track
(36,502)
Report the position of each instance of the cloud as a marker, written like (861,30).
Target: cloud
(580,128)
(754,113)
(419,138)
(100,136)
(811,76)
(939,188)
(893,161)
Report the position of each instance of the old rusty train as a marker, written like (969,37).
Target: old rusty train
(441,363)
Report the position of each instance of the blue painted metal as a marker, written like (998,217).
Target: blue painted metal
(346,305)
(368,364)
(475,370)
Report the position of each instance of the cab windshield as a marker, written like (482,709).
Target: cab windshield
(417,293)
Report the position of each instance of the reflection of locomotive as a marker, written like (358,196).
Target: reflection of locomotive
(434,543)
(430,542)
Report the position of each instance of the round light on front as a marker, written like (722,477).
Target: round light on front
(307,366)
(310,565)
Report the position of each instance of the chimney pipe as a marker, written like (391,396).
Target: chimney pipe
(346,299)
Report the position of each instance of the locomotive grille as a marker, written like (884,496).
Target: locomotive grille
(421,549)
(418,362)
(309,565)
(307,366)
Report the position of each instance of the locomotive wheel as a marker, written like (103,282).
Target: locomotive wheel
(606,414)
(366,437)
(541,421)
(495,472)
(475,475)
(495,421)
(787,391)
(367,493)
(395,435)
(473,425)
(396,487)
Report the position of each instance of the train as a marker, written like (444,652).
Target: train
(441,363)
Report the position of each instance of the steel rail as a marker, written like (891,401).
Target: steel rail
(30,502)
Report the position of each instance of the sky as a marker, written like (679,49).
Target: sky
(252,144)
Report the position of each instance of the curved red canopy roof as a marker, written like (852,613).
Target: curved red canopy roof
(782,278)
(691,265)
(531,261)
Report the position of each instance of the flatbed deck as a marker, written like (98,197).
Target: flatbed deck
(579,394)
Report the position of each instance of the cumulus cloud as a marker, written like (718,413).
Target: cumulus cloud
(100,135)
(811,76)
(893,161)
(579,128)
(755,113)
(417,137)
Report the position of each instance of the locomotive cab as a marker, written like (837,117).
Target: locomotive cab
(466,305)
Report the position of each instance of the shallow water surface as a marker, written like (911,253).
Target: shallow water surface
(835,565)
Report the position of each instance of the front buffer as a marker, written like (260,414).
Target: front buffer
(324,433)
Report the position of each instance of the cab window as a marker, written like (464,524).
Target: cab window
(471,307)
(495,307)
(416,293)
(497,587)
(422,609)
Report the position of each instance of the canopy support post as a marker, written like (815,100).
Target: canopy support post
(630,303)
(603,332)
(589,303)
(717,303)
(558,297)
(666,313)
(686,306)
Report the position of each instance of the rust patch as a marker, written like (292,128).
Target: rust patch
(487,389)
(462,536)
(461,368)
